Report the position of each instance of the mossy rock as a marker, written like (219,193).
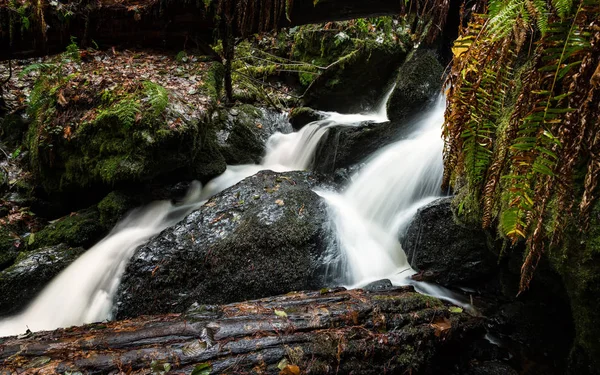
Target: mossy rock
(83,228)
(359,82)
(237,134)
(579,266)
(242,132)
(302,116)
(32,271)
(12,129)
(114,206)
(116,138)
(419,80)
(8,246)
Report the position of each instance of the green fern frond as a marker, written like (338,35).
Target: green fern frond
(125,111)
(563,7)
(42,67)
(157,96)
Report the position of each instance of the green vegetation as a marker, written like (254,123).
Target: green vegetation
(519,125)
(522,142)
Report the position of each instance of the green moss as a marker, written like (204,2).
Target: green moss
(114,206)
(579,265)
(81,229)
(8,250)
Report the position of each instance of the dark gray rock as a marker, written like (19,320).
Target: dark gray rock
(242,132)
(302,116)
(491,368)
(32,271)
(359,83)
(264,236)
(418,83)
(445,251)
(379,285)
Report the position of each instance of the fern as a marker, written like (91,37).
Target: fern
(125,111)
(41,67)
(157,96)
(533,155)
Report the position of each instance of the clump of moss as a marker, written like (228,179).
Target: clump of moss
(114,206)
(8,250)
(80,229)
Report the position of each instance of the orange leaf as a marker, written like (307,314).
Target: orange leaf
(290,370)
(441,326)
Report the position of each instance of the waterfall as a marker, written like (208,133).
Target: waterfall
(382,197)
(84,292)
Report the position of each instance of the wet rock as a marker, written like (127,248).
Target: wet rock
(379,285)
(491,368)
(9,246)
(261,237)
(419,82)
(302,116)
(31,273)
(417,85)
(445,251)
(359,83)
(242,132)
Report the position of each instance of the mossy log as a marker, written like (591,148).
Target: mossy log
(331,331)
(44,27)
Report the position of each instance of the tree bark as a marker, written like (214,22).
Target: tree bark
(175,25)
(327,332)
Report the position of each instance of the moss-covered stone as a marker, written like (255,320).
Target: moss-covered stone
(238,134)
(114,206)
(83,228)
(358,80)
(8,246)
(579,266)
(12,129)
(119,136)
(302,116)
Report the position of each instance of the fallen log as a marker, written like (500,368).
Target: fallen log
(326,332)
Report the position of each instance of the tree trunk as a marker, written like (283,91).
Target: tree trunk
(327,332)
(228,54)
(176,25)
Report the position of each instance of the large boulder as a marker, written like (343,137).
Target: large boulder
(358,69)
(31,272)
(419,82)
(446,252)
(266,235)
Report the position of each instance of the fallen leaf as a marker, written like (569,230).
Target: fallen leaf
(279,202)
(61,99)
(441,326)
(290,370)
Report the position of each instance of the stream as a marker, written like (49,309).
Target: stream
(373,209)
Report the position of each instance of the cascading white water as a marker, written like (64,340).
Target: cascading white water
(295,151)
(382,197)
(84,292)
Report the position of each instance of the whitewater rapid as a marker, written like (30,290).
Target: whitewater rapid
(382,197)
(84,292)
